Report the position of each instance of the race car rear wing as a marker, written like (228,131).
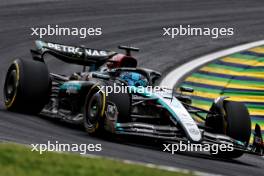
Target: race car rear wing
(71,54)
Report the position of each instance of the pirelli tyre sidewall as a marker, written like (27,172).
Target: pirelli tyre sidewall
(94,109)
(27,86)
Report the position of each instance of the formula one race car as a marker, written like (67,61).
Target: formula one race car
(137,108)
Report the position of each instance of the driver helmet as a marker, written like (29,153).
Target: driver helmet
(134,79)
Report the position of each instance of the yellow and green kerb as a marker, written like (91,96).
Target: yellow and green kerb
(239,76)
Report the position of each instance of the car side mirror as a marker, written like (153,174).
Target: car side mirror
(186,89)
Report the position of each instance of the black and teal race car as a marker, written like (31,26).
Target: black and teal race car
(139,110)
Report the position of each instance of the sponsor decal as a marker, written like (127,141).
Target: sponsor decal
(77,50)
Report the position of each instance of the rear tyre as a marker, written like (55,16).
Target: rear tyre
(27,86)
(238,126)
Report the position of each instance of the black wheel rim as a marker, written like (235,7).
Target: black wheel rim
(93,109)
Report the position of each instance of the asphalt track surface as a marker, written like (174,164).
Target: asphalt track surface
(134,23)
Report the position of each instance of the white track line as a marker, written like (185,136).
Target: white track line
(155,166)
(173,77)
(145,164)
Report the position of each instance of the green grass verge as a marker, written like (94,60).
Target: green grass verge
(18,160)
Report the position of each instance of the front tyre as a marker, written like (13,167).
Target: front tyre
(237,126)
(94,109)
